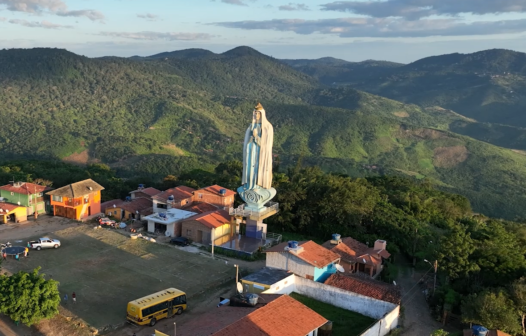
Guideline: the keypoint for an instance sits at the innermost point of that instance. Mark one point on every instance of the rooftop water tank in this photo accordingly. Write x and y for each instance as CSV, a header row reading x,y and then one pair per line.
x,y
293,244
252,299
222,191
336,236
128,198
479,330
141,186
171,197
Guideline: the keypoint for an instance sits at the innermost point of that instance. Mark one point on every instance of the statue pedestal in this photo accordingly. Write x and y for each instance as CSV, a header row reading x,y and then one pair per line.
x,y
256,198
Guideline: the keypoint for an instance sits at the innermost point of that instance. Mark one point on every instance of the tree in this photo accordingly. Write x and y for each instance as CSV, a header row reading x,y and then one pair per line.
x,y
492,309
455,250
28,297
518,295
439,332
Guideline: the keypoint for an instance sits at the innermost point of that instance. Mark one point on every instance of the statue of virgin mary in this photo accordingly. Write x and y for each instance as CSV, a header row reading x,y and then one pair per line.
x,y
257,160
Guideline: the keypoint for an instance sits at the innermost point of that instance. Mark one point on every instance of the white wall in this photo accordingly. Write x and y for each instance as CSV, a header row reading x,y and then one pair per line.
x,y
151,226
337,297
384,325
294,264
284,284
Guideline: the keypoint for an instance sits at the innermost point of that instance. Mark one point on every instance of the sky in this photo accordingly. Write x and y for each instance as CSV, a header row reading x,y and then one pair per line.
x,y
356,30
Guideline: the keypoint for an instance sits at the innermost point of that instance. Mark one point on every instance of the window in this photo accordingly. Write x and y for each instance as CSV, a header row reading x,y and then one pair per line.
x,y
188,232
154,309
161,206
179,300
200,195
57,198
40,194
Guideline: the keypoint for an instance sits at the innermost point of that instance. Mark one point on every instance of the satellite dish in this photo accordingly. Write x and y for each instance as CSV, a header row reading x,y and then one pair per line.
x,y
114,206
394,282
340,268
168,233
365,262
239,288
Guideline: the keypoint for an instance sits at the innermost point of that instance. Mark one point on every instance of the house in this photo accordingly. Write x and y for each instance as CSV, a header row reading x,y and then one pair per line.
x,y
77,200
306,259
130,209
26,194
12,213
143,192
168,222
172,198
199,207
209,225
216,195
265,279
110,204
364,285
273,315
358,257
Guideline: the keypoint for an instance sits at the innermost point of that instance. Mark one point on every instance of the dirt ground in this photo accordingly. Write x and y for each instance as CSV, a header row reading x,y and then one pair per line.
x,y
107,269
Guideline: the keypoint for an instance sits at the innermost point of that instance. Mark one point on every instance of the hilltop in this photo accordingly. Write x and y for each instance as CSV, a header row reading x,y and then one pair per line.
x,y
163,115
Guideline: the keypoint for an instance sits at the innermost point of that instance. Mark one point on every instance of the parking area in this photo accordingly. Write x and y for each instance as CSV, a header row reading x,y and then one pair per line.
x,y
106,270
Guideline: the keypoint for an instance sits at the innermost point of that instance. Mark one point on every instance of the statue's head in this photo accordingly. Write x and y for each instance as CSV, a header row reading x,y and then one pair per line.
x,y
257,116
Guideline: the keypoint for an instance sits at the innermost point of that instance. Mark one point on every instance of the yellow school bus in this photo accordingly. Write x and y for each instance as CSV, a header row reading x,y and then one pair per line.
x,y
152,308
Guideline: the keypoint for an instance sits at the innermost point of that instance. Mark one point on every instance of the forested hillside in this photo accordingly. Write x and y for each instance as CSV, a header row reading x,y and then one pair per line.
x,y
173,112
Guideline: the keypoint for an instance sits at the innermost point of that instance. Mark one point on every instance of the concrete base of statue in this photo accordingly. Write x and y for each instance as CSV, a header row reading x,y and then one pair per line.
x,y
256,198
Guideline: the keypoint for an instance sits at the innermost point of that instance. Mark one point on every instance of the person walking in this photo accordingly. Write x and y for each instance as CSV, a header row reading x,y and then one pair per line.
x,y
16,257
4,255
74,297
66,297
26,250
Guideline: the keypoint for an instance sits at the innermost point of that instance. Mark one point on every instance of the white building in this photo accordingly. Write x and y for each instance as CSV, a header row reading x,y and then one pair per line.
x,y
168,221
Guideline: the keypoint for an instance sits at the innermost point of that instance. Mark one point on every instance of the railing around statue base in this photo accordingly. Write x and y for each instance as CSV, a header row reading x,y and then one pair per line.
x,y
269,210
275,238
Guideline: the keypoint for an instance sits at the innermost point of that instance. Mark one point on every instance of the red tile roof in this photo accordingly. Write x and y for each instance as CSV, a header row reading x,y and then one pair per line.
x,y
281,317
352,250
218,318
215,190
150,191
108,204
365,286
212,219
179,193
26,188
312,253
136,204
199,207
8,207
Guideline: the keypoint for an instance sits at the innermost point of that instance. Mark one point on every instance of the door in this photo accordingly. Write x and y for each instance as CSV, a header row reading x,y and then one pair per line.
x,y
199,236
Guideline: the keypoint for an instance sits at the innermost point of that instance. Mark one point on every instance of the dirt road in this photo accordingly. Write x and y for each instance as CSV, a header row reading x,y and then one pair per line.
x,y
417,320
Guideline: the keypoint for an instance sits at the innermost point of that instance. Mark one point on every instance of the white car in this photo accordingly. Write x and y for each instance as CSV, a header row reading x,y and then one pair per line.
x,y
45,243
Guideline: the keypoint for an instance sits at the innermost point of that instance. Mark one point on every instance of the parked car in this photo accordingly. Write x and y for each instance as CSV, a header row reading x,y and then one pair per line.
x,y
106,221
181,241
44,243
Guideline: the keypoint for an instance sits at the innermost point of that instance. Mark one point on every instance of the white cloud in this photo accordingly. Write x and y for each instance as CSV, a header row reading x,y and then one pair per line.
x,y
414,9
383,27
294,7
234,2
151,36
36,24
148,16
57,7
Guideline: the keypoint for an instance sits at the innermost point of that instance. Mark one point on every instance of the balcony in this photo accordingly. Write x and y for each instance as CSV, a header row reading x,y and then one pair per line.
x,y
74,202
268,211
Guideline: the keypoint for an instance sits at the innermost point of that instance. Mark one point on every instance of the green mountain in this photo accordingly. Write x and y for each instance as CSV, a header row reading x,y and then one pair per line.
x,y
165,115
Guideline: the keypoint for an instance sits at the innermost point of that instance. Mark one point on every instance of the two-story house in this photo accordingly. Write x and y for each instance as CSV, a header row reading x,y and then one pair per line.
x,y
172,198
357,256
25,194
143,192
306,259
77,200
215,195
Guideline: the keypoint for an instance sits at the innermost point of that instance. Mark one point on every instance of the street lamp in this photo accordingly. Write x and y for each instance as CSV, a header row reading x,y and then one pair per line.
x,y
435,266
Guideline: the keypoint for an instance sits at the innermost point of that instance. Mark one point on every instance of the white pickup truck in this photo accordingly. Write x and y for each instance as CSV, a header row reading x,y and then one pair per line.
x,y
44,243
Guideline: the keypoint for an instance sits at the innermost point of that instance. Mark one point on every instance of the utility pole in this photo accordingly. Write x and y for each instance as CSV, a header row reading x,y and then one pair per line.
x,y
414,249
175,330
213,238
237,270
435,267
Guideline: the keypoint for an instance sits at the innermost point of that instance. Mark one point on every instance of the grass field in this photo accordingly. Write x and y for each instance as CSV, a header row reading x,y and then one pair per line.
x,y
344,322
107,270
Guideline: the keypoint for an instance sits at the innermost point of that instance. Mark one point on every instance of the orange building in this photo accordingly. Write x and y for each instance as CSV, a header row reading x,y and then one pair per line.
x,y
77,200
